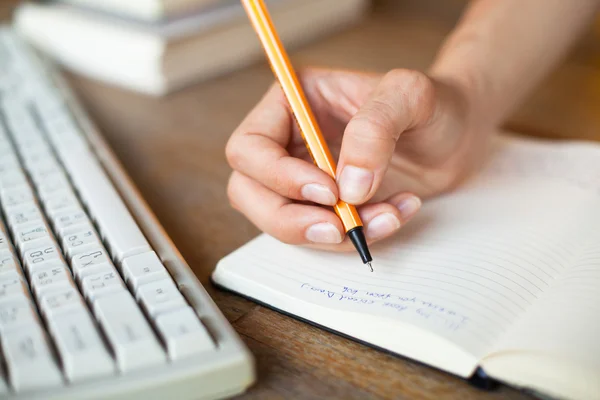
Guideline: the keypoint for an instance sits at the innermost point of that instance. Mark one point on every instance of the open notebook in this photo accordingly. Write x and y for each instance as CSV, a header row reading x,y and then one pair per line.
x,y
502,274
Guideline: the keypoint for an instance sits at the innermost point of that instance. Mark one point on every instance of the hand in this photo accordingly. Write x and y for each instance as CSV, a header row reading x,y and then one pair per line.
x,y
399,137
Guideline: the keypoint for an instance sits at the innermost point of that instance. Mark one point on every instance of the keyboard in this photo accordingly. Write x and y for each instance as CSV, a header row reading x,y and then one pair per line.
x,y
95,300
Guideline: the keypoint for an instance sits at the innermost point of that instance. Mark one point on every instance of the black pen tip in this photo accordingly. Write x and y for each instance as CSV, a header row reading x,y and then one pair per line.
x,y
357,237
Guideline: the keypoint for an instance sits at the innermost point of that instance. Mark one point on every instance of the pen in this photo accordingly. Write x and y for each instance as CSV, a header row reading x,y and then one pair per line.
x,y
309,129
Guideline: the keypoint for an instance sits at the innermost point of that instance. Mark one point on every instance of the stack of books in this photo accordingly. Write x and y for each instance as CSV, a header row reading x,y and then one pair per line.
x,y
158,46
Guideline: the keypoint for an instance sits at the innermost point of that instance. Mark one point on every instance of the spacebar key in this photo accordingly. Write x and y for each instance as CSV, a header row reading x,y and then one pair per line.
x,y
117,227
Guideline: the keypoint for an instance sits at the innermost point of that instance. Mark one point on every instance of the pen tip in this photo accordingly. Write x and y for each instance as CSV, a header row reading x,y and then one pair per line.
x,y
370,266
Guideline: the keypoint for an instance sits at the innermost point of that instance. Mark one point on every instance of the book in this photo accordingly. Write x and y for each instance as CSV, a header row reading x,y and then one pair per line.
x,y
501,275
157,59
150,10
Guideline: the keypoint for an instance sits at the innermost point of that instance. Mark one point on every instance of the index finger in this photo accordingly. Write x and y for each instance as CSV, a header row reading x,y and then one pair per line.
x,y
257,149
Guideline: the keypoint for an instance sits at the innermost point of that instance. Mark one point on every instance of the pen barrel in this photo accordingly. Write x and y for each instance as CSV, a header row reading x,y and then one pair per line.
x,y
348,214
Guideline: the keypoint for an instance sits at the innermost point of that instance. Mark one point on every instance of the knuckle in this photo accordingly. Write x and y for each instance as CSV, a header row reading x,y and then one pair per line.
x,y
281,231
405,79
232,192
281,181
374,125
234,153
422,93
418,90
397,76
278,180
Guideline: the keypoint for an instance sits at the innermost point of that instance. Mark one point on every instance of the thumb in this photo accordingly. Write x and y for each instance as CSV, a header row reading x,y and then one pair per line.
x,y
403,100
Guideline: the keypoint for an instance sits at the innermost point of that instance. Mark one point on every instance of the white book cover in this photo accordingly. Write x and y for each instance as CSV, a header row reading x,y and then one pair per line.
x,y
157,59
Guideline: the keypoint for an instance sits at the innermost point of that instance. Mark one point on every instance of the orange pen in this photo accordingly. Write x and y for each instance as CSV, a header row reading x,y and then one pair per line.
x,y
309,129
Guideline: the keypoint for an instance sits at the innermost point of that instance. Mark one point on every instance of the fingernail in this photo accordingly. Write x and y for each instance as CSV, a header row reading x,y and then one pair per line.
x,y
318,194
409,206
355,184
382,225
323,232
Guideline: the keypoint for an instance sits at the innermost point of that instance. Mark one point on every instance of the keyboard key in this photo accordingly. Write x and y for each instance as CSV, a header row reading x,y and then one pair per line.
x,y
16,197
44,169
143,268
69,220
10,159
80,241
60,302
12,178
183,334
160,296
10,280
90,262
16,115
59,201
117,227
9,266
128,332
28,359
6,150
13,290
44,256
27,135
15,315
101,284
53,184
8,164
32,235
4,240
51,279
12,275
32,158
81,350
14,294
64,133
30,213
30,143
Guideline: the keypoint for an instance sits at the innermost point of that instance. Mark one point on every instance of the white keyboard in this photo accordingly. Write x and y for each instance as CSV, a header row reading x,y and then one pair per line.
x,y
95,301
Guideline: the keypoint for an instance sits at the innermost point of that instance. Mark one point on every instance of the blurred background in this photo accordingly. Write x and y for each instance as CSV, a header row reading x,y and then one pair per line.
x,y
157,48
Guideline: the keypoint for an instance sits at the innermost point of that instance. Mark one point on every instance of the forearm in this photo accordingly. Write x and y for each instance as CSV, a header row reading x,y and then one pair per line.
x,y
501,49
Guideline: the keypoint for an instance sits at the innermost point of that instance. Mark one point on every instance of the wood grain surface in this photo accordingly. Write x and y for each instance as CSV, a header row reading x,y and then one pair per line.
x,y
173,148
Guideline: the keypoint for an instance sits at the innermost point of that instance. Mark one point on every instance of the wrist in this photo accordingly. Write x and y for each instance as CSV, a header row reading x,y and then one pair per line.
x,y
466,89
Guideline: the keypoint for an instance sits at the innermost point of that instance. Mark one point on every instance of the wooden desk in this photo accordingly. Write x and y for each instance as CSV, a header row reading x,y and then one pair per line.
x,y
173,149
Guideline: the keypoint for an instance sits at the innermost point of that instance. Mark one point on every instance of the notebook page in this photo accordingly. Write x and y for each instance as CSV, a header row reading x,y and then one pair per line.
x,y
554,347
564,323
468,266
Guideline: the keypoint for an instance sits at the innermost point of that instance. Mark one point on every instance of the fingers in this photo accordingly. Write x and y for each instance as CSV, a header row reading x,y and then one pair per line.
x,y
384,219
303,224
257,150
381,220
403,100
279,217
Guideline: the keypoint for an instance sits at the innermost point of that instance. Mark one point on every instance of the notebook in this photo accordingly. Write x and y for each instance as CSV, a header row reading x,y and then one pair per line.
x,y
502,275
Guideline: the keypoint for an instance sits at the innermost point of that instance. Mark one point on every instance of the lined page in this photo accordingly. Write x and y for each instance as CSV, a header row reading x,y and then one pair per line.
x,y
564,323
466,268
